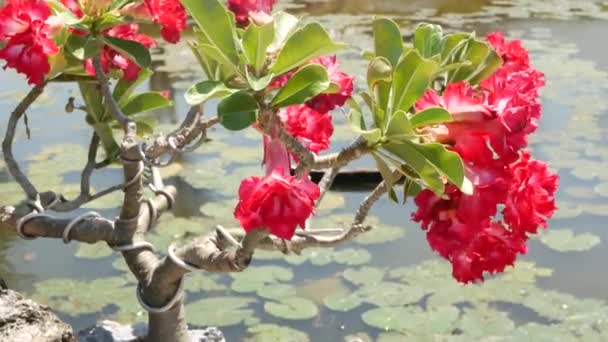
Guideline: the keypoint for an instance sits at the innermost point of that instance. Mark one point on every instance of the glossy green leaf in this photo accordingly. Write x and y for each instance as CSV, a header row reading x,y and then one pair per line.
x,y
284,25
427,39
124,89
205,91
256,41
306,43
385,171
308,82
447,163
483,63
414,159
83,47
217,25
258,84
237,111
130,49
388,41
224,65
412,77
145,102
379,70
399,127
430,116
452,46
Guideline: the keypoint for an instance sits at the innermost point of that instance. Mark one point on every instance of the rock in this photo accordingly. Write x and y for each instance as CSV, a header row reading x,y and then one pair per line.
x,y
22,319
108,331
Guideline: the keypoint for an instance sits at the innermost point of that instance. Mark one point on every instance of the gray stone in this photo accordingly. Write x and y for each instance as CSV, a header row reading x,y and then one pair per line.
x,y
22,319
108,331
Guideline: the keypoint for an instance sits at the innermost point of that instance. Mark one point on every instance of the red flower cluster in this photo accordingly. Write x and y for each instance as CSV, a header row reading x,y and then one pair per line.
x,y
311,123
277,202
25,27
489,130
170,14
242,9
112,59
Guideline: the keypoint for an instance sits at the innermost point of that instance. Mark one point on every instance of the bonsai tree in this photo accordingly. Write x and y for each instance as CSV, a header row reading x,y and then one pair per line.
x,y
445,118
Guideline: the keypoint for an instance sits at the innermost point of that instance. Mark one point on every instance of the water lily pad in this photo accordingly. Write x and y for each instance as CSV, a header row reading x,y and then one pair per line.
x,y
220,311
275,333
332,201
386,294
564,240
364,275
205,282
482,321
255,278
81,297
343,301
381,234
95,251
580,192
412,319
352,256
602,189
277,291
292,308
242,155
205,173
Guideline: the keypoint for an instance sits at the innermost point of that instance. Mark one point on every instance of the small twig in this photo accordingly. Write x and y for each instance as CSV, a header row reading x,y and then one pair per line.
x,y
107,94
7,144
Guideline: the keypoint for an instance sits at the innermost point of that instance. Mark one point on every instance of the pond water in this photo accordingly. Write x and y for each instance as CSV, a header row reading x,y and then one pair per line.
x,y
387,286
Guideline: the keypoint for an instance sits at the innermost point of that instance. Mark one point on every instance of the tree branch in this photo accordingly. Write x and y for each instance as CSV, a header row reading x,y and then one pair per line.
x,y
107,94
7,144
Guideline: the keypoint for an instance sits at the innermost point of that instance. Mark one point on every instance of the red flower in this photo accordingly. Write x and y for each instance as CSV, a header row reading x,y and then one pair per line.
x,y
243,8
171,15
28,38
313,129
112,59
326,102
277,202
531,199
73,6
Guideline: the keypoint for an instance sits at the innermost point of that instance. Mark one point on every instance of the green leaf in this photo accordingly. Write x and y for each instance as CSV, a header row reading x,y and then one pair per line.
x,y
130,49
83,47
108,21
414,159
411,79
124,89
206,90
388,40
306,43
217,25
217,56
145,102
237,111
308,82
385,171
379,70
484,61
256,41
427,39
284,25
452,46
258,84
399,127
430,116
355,118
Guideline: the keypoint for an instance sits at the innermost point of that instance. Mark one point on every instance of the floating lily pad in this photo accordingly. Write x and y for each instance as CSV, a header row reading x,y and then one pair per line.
x,y
255,278
564,240
386,294
332,201
343,301
292,308
364,275
568,210
580,192
381,234
352,256
275,333
482,321
205,282
242,155
220,311
317,289
412,319
277,291
205,174
95,251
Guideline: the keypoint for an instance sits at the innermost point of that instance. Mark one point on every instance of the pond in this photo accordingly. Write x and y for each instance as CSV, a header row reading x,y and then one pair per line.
x,y
387,286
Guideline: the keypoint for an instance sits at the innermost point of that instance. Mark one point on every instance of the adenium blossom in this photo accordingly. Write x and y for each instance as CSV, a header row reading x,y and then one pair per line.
x,y
170,14
277,202
25,26
489,131
112,59
242,9
312,128
324,103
